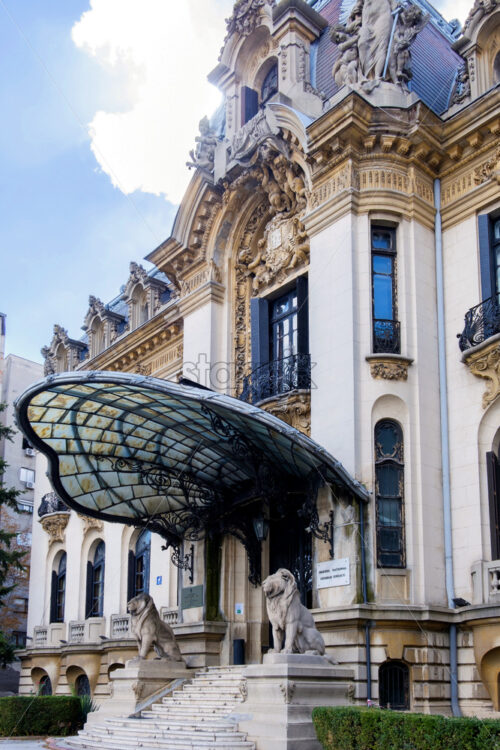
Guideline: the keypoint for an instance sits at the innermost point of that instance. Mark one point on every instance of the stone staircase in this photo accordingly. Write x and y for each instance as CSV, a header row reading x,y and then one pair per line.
x,y
192,718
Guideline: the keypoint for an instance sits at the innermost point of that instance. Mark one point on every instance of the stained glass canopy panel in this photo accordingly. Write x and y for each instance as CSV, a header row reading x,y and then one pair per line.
x,y
129,448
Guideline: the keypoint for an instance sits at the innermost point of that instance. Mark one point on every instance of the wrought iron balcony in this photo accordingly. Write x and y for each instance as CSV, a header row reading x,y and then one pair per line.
x,y
481,322
277,377
386,336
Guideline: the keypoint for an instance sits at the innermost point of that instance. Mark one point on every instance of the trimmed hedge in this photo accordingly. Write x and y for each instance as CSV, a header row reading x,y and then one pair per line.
x,y
375,729
24,716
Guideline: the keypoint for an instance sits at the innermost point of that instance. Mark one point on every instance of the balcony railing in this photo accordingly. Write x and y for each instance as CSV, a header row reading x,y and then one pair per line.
x,y
386,336
481,322
277,377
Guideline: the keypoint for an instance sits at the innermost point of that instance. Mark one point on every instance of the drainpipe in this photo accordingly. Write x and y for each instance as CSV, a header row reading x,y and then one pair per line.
x,y
445,448
364,588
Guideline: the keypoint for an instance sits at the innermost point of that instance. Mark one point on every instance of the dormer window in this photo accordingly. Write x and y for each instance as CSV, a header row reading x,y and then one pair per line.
x,y
270,84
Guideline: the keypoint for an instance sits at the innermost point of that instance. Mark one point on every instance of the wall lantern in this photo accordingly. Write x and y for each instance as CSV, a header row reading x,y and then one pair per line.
x,y
261,527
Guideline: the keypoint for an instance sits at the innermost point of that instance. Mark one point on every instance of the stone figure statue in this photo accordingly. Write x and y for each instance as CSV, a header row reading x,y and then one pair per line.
x,y
374,44
374,35
293,625
202,155
150,631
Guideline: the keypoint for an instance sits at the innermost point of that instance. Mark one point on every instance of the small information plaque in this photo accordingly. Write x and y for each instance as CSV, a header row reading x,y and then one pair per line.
x,y
192,596
333,573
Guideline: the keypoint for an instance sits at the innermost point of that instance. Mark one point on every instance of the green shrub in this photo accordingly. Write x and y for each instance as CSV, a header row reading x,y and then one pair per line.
x,y
374,729
24,716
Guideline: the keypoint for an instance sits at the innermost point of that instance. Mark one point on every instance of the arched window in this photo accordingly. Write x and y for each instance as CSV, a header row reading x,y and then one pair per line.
x,y
270,85
58,591
394,686
493,473
496,68
45,685
389,489
98,341
140,307
95,582
138,566
82,685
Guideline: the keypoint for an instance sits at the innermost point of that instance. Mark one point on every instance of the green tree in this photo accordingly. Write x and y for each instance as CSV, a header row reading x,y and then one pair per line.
x,y
10,559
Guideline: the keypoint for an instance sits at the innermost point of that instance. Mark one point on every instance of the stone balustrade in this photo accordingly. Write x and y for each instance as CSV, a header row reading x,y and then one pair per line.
x,y
76,632
486,582
40,636
120,627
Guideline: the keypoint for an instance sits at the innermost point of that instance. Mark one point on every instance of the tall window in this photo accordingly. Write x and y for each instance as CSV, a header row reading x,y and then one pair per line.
x,y
389,488
493,470
280,344
386,332
393,685
495,251
58,591
95,583
138,566
270,85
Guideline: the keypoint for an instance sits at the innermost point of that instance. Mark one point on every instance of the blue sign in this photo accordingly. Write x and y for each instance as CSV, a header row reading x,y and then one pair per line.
x,y
158,580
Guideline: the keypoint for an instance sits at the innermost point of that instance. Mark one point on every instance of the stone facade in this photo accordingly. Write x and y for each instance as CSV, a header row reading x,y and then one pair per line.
x,y
300,189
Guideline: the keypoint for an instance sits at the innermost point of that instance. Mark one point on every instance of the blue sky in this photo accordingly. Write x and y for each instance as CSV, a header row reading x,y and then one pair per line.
x,y
77,207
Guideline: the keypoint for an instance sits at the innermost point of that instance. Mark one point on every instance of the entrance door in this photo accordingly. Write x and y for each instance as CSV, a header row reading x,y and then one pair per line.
x,y
291,548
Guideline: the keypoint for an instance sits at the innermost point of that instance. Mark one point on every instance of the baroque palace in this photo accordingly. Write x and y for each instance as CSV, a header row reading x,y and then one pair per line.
x,y
334,262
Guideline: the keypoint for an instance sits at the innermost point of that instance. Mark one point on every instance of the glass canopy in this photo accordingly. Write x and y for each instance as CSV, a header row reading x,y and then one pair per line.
x,y
176,458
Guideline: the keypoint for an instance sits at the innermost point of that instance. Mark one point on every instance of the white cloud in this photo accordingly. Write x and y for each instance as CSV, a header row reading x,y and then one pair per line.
x,y
167,47
451,9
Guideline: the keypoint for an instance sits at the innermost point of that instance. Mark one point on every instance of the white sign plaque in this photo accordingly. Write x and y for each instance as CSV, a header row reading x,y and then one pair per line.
x,y
239,609
333,573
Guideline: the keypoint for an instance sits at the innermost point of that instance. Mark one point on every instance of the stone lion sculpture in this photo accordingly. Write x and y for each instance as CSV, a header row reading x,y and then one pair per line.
x,y
150,631
293,626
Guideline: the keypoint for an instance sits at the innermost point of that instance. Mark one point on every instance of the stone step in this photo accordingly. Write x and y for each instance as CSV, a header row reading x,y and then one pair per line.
x,y
204,721
194,744
209,735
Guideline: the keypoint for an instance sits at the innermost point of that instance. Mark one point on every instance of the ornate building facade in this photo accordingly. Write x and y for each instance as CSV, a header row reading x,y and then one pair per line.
x,y
342,218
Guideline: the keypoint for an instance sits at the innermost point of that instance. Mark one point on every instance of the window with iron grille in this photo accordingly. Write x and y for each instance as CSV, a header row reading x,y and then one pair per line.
x,y
394,686
386,328
389,489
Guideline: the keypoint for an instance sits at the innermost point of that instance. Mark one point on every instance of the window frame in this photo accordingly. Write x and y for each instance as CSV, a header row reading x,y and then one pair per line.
x,y
395,461
58,591
391,324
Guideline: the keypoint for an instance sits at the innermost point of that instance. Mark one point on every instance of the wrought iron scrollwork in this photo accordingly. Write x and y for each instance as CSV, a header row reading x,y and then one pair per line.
x,y
386,336
481,322
277,377
309,512
184,562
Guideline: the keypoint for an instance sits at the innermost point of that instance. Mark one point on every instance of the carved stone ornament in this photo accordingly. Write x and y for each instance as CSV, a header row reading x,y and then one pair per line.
x,y
257,130
285,246
90,523
375,42
461,92
292,408
203,154
287,688
54,525
389,368
72,350
243,689
480,9
486,364
490,169
245,18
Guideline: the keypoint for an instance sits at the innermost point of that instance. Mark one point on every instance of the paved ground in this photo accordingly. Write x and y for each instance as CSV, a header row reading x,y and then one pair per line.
x,y
22,744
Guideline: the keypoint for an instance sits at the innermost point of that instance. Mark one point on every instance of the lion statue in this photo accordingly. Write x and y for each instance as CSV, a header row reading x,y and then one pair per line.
x,y
149,630
293,626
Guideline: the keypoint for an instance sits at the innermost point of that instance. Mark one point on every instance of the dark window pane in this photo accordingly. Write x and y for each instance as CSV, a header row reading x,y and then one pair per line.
x,y
389,539
388,483
389,513
496,230
386,438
